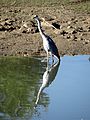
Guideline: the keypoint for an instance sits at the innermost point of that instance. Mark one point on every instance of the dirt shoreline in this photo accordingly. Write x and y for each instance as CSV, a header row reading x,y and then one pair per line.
x,y
19,35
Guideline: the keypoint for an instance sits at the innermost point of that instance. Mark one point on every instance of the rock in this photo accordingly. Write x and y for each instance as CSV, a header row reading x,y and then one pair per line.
x,y
9,22
7,25
48,18
29,27
69,22
79,29
24,30
7,28
73,37
63,32
75,21
57,31
68,37
80,39
1,28
87,41
27,30
88,29
34,30
71,31
74,31
25,54
68,27
32,23
2,23
56,25
73,18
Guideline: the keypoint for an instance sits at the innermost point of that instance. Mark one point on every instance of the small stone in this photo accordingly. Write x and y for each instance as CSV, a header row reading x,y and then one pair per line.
x,y
2,23
8,22
87,41
63,32
74,31
34,30
88,29
68,27
73,18
75,21
80,39
25,54
1,28
57,32
74,37
68,37
48,18
69,22
56,25
79,29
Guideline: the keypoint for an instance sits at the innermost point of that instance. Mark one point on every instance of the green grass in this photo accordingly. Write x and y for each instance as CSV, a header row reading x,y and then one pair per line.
x,y
30,2
34,2
83,6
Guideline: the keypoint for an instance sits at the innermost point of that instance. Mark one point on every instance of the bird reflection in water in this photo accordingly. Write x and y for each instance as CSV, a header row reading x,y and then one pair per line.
x,y
48,77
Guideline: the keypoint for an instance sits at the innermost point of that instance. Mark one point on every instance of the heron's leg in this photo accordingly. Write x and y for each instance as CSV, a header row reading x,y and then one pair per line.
x,y
47,68
44,59
47,58
52,59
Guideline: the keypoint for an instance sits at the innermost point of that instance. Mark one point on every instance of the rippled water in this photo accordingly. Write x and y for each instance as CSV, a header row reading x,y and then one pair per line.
x,y
29,90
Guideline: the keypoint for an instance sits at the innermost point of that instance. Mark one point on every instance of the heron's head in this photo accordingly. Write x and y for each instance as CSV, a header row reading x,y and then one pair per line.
x,y
35,17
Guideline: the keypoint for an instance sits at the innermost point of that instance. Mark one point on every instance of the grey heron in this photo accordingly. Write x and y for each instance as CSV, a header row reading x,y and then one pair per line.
x,y
48,44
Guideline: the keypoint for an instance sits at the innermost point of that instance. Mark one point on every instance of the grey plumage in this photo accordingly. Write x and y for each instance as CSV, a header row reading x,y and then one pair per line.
x,y
48,43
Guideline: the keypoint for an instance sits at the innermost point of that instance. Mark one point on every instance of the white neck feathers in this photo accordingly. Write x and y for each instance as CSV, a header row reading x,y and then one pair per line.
x,y
39,27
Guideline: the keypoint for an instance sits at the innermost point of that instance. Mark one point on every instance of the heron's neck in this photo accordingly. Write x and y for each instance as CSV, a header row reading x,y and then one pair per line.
x,y
40,29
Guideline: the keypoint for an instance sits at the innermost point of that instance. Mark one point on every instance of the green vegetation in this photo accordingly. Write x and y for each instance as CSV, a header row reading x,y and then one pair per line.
x,y
83,6
30,2
18,85
77,5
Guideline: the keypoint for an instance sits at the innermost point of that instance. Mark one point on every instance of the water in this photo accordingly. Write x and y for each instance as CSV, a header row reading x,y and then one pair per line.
x,y
29,91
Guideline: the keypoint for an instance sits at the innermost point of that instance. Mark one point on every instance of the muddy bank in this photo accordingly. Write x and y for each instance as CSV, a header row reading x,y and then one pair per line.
x,y
19,35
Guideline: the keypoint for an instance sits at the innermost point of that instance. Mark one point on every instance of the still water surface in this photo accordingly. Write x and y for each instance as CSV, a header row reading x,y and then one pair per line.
x,y
29,90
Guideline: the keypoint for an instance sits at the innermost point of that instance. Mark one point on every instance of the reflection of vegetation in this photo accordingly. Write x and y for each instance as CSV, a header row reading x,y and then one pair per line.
x,y
18,84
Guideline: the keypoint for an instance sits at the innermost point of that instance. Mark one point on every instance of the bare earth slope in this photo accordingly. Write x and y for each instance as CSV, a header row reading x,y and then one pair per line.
x,y
19,35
